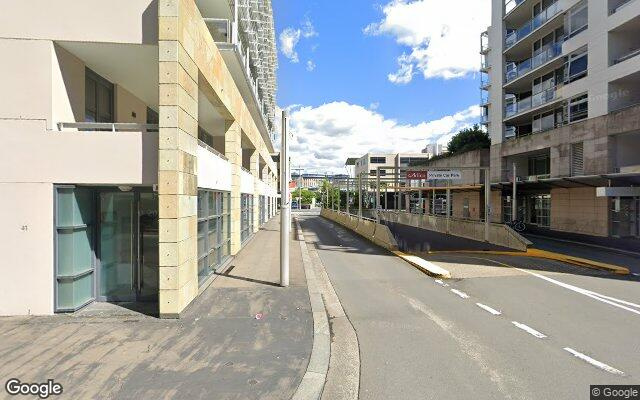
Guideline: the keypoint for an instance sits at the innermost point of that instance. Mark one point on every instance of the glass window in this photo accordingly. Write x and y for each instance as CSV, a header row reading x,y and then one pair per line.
x,y
578,108
98,98
74,262
378,160
577,19
214,233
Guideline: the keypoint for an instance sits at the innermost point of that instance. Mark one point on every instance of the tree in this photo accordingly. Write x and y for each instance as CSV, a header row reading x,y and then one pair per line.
x,y
469,139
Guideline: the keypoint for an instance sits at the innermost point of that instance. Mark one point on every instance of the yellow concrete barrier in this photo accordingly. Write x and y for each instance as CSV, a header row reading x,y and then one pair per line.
x,y
366,228
384,238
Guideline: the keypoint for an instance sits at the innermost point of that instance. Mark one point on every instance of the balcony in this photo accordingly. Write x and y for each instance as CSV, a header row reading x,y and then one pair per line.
x,y
531,102
484,42
106,127
515,71
510,5
530,26
617,5
484,116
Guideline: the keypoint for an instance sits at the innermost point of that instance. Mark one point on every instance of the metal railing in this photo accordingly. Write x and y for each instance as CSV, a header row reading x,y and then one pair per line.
x,y
626,56
531,25
619,6
522,68
530,102
108,127
212,150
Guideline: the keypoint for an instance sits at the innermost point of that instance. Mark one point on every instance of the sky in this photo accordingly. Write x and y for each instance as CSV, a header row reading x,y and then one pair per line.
x,y
360,76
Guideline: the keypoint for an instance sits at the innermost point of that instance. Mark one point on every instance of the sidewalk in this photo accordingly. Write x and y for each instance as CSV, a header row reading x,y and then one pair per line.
x,y
217,350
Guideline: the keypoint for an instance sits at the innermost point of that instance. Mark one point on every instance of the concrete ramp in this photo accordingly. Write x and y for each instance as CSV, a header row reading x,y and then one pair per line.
x,y
425,233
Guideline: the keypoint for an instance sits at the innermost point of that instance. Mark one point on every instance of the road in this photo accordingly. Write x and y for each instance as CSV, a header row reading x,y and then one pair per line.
x,y
542,330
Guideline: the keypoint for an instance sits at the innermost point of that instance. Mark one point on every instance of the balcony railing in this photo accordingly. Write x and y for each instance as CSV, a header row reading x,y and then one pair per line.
x,y
547,54
627,56
530,102
531,25
618,7
509,5
107,127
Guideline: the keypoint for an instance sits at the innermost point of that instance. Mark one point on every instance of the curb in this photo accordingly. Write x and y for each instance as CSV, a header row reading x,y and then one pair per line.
x,y
312,383
423,265
549,255
334,375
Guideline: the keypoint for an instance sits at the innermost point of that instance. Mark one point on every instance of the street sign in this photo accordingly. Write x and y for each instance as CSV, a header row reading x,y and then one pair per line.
x,y
453,174
416,174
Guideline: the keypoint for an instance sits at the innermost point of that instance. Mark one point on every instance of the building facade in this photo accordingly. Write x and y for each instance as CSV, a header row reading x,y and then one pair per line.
x,y
434,149
561,100
368,164
137,140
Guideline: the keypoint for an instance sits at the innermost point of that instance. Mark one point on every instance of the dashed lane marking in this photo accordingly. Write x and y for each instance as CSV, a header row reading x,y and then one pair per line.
x,y
461,294
529,330
594,362
488,309
441,283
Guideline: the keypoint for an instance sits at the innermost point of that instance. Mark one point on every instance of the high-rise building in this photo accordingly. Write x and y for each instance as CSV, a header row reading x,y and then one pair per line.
x,y
136,151
561,99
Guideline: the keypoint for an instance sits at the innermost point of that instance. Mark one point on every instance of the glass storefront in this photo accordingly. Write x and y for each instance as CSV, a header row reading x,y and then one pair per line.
x,y
246,216
106,246
214,233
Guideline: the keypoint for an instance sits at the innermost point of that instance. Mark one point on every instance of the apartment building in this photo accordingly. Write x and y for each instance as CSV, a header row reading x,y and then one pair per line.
x,y
136,148
561,100
368,164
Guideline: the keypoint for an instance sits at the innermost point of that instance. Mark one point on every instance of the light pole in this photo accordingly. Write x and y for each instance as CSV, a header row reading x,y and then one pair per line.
x,y
285,204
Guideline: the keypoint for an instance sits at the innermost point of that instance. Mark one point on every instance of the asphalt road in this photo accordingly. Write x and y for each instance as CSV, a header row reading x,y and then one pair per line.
x,y
543,330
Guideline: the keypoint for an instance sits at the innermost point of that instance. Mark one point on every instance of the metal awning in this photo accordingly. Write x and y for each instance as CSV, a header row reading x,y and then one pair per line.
x,y
615,179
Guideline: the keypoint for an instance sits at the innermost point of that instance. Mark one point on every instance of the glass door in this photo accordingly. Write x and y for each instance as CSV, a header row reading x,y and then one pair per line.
x,y
117,249
625,217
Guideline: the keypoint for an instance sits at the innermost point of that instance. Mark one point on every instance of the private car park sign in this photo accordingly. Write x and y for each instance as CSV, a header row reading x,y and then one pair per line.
x,y
452,174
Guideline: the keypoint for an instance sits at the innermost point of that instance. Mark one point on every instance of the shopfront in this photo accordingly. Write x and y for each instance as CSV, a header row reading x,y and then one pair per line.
x,y
106,245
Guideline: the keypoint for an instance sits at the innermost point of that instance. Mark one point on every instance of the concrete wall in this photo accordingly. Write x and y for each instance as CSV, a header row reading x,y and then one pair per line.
x,y
26,272
578,210
85,21
214,172
128,108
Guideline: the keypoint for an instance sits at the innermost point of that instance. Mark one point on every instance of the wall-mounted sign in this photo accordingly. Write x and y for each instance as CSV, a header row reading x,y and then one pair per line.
x,y
416,174
444,174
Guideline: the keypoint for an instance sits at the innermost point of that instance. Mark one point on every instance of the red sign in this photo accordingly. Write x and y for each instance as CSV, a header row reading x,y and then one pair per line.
x,y
292,184
416,174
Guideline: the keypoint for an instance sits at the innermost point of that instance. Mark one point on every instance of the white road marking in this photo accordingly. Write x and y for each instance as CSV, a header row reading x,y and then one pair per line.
x,y
635,274
593,362
597,296
441,283
489,309
529,330
461,294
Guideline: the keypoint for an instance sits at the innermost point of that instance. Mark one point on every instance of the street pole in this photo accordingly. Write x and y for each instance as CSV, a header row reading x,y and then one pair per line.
x,y
487,191
285,204
360,195
514,205
348,179
448,205
377,194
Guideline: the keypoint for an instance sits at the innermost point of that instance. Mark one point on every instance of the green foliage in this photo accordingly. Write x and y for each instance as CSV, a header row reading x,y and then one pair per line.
x,y
306,195
469,139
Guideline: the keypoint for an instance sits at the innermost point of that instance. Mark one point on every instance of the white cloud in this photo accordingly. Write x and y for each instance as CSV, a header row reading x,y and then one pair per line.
x,y
311,65
308,30
290,37
443,37
324,136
